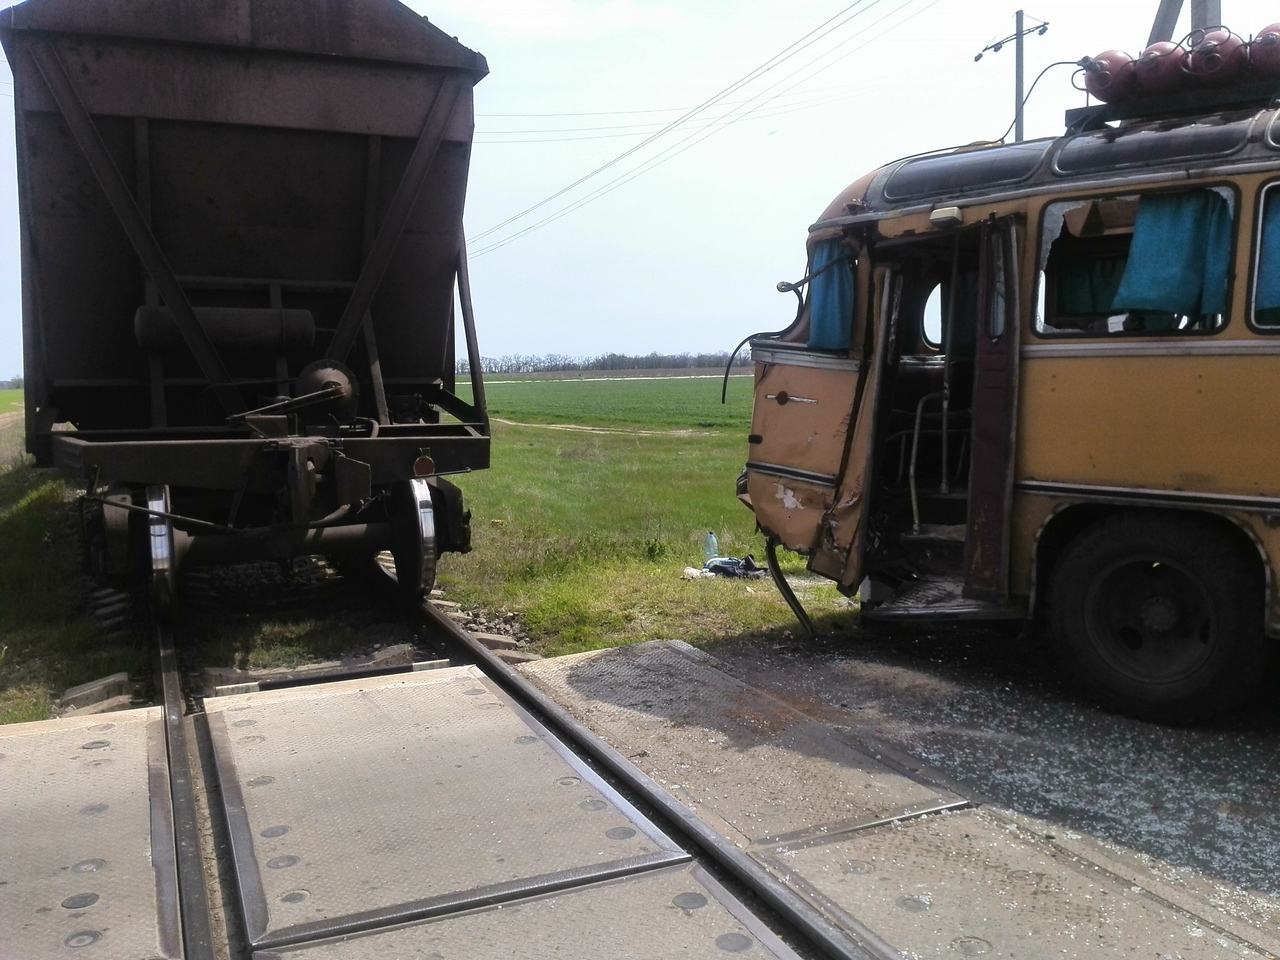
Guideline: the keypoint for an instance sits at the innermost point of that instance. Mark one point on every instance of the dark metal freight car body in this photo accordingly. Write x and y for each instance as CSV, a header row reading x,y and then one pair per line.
x,y
241,239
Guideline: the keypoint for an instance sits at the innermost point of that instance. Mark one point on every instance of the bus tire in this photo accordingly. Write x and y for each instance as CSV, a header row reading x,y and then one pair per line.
x,y
1160,617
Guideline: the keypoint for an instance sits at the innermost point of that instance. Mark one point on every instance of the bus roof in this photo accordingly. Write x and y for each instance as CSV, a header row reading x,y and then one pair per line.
x,y
1143,150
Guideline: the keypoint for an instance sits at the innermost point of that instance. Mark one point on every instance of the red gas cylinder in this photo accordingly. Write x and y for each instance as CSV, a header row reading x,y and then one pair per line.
x,y
1109,76
1217,56
1264,52
1160,69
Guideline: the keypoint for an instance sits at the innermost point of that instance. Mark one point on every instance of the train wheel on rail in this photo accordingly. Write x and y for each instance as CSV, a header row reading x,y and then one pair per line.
x,y
414,529
160,540
1160,617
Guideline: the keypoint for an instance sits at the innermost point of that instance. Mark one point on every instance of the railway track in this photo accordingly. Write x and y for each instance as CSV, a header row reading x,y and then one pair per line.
x,y
271,788
453,808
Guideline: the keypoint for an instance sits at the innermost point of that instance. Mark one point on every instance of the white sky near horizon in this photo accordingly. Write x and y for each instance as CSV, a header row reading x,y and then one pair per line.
x,y
684,257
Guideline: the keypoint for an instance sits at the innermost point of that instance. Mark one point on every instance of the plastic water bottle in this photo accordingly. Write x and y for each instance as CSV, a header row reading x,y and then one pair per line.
x,y
710,547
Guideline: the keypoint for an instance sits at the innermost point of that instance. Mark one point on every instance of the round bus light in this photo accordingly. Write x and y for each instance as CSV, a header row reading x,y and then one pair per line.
x,y
424,466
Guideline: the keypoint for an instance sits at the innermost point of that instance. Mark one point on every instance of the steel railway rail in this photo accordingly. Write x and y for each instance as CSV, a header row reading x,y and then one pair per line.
x,y
192,725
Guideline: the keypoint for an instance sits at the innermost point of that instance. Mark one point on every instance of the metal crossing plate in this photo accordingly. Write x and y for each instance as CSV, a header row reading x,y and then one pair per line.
x,y
88,858
969,883
376,801
755,765
673,912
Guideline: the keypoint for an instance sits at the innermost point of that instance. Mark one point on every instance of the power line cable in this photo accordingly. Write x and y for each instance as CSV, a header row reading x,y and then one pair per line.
x,y
608,113
783,109
670,153
716,122
786,53
624,126
676,149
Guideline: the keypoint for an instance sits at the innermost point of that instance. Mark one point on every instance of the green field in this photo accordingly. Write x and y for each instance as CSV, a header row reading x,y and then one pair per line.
x,y
672,403
10,400
586,534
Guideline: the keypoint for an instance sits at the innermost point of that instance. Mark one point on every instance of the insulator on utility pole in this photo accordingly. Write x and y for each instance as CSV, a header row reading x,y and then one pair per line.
x,y
1019,34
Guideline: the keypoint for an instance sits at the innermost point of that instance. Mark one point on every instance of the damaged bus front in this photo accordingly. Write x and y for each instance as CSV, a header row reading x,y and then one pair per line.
x,y
1024,382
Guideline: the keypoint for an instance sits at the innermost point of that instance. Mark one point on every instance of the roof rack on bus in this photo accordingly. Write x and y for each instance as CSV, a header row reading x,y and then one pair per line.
x,y
1191,102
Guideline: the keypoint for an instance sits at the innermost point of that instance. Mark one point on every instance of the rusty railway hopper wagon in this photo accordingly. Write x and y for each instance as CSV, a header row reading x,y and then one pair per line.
x,y
243,266
1033,380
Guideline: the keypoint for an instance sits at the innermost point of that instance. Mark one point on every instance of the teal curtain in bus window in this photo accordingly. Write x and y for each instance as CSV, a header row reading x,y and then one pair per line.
x,y
1087,285
1268,295
830,298
1179,256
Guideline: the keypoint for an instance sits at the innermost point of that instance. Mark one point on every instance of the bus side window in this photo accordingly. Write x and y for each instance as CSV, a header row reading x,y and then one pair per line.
x,y
1266,279
931,322
1156,264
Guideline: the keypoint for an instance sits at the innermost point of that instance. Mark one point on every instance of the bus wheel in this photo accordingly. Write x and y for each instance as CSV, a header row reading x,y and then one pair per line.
x,y
1160,617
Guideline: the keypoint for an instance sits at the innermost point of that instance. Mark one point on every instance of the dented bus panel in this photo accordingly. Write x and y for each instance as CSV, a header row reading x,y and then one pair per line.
x,y
1034,385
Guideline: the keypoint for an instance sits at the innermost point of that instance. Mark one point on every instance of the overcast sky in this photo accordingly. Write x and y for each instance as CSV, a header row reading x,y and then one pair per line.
x,y
685,256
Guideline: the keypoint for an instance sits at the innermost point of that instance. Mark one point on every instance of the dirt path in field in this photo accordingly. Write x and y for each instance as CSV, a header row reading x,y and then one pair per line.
x,y
579,428
12,417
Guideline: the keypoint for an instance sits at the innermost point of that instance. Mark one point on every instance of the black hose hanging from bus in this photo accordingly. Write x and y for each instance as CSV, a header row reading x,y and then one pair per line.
x,y
784,588
1039,76
784,286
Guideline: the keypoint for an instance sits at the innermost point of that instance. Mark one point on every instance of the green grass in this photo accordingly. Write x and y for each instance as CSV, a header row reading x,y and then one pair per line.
x,y
681,403
10,400
46,642
586,535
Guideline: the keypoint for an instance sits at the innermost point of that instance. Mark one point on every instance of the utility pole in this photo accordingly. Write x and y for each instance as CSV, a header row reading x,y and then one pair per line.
x,y
1017,81
1019,33
1204,14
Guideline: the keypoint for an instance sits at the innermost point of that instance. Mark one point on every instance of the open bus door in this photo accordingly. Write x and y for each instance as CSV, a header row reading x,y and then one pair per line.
x,y
939,449
994,417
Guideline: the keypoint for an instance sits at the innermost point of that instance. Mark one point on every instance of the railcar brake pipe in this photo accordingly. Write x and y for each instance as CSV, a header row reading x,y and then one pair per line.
x,y
833,941
329,391
172,517
784,588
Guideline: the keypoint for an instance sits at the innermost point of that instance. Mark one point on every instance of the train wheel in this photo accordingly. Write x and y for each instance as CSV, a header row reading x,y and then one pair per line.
x,y
1160,617
160,540
414,548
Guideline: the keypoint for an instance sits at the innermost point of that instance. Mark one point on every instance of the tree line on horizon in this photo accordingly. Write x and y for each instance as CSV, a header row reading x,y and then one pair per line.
x,y
556,363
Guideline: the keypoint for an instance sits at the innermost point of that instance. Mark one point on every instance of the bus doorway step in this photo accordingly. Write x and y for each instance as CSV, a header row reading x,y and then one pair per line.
x,y
937,599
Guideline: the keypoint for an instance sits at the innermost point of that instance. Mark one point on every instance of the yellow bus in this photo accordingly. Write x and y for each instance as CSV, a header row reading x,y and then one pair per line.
x,y
1034,381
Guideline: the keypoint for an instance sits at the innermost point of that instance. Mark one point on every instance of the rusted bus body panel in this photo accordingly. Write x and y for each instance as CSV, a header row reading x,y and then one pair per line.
x,y
1173,422
806,434
805,415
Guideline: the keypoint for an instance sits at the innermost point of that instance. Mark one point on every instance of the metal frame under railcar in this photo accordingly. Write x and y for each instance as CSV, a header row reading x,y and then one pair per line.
x,y
242,264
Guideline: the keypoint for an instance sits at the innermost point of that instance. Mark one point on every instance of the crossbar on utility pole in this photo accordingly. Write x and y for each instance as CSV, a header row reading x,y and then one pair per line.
x,y
1019,64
